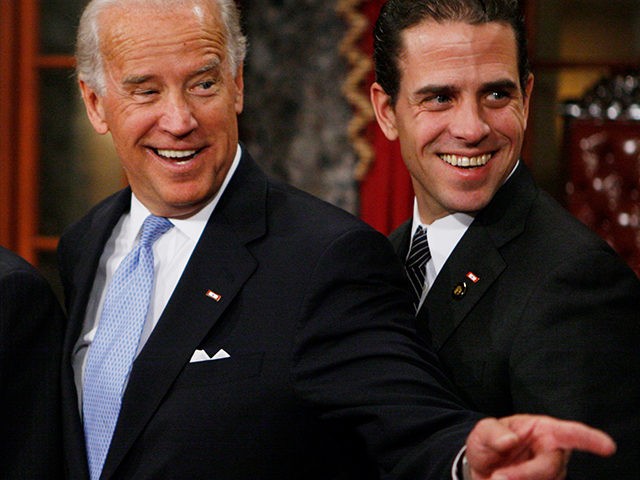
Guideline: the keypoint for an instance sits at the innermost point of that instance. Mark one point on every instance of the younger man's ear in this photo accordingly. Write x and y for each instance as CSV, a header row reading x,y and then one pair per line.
x,y
383,109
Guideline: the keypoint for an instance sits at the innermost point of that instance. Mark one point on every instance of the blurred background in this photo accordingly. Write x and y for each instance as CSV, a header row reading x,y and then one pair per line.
x,y
307,120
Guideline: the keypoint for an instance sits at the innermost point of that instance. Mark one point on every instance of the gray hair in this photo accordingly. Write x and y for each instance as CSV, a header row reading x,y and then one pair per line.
x,y
89,61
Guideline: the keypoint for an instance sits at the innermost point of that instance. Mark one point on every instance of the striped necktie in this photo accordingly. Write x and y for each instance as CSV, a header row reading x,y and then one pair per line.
x,y
416,265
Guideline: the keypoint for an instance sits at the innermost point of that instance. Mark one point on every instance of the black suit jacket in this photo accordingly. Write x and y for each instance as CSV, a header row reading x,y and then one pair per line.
x,y
551,326
324,373
31,331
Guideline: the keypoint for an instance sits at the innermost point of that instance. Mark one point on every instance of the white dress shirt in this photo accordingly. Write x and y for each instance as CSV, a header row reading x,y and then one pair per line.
x,y
171,253
442,235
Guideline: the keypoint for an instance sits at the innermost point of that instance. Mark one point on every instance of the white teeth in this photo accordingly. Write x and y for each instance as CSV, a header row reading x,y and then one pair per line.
x,y
466,162
176,153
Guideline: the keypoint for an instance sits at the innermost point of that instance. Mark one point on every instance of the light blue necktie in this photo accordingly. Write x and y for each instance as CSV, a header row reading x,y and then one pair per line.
x,y
116,341
416,264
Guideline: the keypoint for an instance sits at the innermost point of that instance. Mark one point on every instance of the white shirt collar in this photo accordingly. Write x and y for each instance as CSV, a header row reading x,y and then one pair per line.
x,y
443,235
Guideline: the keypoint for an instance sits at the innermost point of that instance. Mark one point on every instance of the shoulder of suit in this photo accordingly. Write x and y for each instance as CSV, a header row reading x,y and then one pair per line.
x,y
12,264
307,208
121,197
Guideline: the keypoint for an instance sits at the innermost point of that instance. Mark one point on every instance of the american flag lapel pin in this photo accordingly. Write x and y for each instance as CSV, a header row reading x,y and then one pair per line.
x,y
473,277
460,289
215,296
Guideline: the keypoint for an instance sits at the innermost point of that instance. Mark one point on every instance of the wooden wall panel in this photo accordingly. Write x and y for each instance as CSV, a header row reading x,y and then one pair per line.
x,y
28,145
8,131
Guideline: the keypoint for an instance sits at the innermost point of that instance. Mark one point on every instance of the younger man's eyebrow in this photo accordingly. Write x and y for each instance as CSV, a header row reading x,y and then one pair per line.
x,y
436,89
505,84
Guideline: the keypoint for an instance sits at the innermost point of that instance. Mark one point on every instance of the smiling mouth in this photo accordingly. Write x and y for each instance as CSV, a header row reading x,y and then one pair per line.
x,y
466,162
176,155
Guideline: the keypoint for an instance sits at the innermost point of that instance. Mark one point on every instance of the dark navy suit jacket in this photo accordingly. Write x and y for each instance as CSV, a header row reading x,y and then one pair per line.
x,y
31,330
551,325
325,377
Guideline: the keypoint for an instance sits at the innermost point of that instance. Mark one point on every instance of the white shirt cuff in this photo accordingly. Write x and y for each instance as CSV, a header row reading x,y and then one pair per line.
x,y
460,468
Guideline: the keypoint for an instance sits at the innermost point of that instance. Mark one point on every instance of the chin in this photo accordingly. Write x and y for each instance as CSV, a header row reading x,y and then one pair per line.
x,y
471,204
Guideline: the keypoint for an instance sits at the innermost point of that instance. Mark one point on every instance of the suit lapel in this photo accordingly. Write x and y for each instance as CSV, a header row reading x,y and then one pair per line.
x,y
475,256
476,262
220,262
400,239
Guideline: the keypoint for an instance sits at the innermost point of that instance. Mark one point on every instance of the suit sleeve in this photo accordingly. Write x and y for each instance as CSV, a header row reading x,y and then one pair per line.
x,y
577,355
31,329
358,362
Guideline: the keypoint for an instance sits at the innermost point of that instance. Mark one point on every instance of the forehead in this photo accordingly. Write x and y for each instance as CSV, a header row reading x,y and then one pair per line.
x,y
455,49
145,33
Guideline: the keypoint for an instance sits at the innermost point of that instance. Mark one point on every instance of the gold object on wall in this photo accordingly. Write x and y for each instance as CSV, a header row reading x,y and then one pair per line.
x,y
360,66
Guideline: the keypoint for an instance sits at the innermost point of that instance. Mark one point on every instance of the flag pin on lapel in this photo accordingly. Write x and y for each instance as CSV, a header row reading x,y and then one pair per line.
x,y
460,290
473,277
216,296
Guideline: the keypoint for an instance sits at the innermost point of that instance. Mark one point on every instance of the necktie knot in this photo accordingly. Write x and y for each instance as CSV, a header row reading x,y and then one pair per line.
x,y
152,228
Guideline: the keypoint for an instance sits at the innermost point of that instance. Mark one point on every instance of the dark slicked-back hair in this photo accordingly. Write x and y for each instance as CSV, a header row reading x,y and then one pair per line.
x,y
399,15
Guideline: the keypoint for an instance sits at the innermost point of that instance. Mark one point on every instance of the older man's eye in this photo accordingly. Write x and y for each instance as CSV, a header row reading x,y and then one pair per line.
x,y
145,91
144,94
204,87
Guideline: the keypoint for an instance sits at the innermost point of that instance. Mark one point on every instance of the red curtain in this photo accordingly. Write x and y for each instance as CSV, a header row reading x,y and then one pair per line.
x,y
386,194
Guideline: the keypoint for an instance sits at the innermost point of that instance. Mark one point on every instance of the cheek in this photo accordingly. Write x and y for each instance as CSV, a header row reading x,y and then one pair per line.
x,y
511,122
423,166
419,144
417,136
431,129
129,119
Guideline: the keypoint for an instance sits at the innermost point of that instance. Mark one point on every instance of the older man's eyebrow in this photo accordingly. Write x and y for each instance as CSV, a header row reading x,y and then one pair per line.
x,y
211,66
140,79
137,79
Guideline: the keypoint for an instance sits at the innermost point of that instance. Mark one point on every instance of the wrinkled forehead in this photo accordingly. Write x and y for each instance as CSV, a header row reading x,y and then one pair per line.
x,y
145,25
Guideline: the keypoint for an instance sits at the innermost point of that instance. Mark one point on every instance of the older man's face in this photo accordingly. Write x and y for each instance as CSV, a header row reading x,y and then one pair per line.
x,y
171,104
